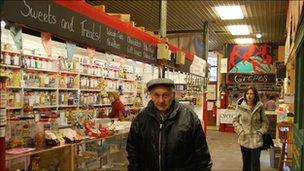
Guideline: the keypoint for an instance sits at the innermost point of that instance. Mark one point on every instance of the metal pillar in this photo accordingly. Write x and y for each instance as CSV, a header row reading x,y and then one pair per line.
x,y
205,43
163,18
162,29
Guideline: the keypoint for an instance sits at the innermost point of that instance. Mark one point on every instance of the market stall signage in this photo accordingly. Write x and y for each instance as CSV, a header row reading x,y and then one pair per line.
x,y
236,78
198,66
62,22
226,116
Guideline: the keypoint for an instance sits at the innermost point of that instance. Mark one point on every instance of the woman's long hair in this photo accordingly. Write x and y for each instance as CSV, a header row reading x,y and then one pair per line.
x,y
256,95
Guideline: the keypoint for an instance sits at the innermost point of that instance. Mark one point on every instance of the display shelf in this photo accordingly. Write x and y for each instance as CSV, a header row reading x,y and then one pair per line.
x,y
10,66
129,92
110,78
43,70
69,72
14,108
43,107
39,88
39,56
113,69
9,51
108,105
3,77
127,80
37,151
96,105
91,90
91,139
13,87
68,89
90,65
67,106
89,75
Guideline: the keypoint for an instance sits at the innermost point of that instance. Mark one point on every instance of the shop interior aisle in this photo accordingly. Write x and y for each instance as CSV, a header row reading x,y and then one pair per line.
x,y
226,153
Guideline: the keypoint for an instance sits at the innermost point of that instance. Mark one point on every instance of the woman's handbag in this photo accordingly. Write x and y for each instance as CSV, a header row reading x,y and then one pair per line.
x,y
267,141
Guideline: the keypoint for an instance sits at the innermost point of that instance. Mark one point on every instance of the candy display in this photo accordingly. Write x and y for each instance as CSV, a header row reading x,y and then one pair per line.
x,y
70,135
39,79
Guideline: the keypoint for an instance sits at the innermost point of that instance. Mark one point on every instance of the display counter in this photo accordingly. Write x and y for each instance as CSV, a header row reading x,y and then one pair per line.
x,y
89,154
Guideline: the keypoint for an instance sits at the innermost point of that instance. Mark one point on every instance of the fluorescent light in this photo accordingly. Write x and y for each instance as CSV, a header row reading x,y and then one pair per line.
x,y
238,29
3,24
230,12
244,40
258,35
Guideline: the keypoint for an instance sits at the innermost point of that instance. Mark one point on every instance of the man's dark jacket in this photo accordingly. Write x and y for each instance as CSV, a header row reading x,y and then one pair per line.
x,y
183,144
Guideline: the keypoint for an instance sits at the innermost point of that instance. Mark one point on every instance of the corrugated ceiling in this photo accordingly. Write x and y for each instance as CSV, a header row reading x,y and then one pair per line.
x,y
264,16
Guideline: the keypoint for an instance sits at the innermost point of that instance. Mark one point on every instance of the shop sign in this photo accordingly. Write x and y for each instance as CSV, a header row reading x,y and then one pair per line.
x,y
237,78
226,115
50,17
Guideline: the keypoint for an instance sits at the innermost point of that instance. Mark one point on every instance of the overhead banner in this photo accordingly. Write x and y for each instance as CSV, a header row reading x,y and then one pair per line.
x,y
50,17
255,58
236,78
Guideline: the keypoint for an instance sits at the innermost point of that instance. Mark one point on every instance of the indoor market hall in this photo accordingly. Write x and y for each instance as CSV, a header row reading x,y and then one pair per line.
x,y
152,85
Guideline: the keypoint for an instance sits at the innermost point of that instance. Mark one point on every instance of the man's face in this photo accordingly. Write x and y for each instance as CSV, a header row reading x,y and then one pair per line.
x,y
162,97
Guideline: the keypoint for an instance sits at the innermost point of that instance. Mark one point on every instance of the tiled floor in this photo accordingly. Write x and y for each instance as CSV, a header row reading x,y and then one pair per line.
x,y
226,153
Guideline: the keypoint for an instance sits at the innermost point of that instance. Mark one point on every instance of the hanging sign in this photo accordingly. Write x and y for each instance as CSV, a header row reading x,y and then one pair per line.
x,y
237,78
198,66
67,24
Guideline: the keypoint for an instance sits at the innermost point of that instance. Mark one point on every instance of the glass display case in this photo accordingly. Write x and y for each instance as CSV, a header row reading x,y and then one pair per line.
x,y
92,154
107,153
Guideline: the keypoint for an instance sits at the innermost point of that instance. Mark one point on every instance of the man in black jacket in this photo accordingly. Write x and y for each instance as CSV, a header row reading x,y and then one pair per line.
x,y
166,135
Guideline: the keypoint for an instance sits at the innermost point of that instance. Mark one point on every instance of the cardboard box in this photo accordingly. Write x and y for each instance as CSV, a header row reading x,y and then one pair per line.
x,y
101,7
141,28
122,17
180,57
163,51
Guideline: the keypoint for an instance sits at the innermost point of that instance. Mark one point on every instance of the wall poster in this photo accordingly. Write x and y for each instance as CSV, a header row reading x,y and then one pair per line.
x,y
255,58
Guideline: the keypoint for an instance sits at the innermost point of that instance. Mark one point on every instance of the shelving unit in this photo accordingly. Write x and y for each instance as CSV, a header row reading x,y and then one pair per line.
x,y
65,83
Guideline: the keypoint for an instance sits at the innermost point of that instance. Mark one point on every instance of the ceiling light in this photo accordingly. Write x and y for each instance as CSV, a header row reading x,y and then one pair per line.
x,y
238,29
230,12
244,40
258,35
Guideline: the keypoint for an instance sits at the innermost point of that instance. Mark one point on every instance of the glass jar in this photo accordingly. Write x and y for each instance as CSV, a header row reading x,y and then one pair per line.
x,y
7,59
16,60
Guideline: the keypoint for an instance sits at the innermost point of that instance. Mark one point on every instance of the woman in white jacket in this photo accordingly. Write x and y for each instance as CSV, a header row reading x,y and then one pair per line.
x,y
250,124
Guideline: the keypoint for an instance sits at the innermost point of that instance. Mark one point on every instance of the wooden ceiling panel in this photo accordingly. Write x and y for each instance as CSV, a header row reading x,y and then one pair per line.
x,y
267,17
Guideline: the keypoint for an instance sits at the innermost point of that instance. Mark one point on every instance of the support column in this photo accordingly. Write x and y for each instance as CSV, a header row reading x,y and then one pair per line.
x,y
205,39
162,29
204,55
